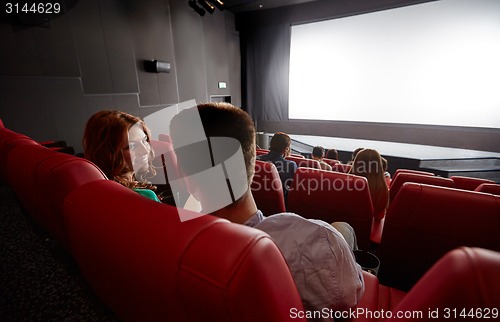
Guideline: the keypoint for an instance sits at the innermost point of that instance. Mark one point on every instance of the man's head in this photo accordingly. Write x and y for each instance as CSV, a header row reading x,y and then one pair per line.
x,y
332,154
318,152
219,120
280,143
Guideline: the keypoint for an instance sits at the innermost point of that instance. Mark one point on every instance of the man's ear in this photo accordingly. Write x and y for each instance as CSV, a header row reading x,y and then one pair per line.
x,y
287,151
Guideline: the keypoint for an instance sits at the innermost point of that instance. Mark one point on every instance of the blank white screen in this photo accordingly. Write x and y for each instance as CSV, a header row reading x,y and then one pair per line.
x,y
433,63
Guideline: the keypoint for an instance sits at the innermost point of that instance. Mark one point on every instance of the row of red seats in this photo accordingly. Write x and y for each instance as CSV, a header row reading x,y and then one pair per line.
x,y
301,161
147,265
139,258
465,183
345,195
423,224
333,196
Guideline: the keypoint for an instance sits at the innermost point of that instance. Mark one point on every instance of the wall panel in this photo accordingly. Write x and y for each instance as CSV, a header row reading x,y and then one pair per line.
x,y
91,47
55,48
54,77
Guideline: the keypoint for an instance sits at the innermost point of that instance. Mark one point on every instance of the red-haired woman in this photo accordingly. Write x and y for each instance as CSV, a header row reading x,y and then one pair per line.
x,y
119,144
368,164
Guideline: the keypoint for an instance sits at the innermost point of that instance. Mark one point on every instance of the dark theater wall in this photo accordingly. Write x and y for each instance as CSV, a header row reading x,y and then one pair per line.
x,y
54,76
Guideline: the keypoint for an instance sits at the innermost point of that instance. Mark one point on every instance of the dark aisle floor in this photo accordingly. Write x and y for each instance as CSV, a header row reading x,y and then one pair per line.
x,y
38,280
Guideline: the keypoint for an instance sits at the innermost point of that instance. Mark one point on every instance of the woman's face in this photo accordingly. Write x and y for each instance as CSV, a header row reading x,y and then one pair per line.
x,y
138,151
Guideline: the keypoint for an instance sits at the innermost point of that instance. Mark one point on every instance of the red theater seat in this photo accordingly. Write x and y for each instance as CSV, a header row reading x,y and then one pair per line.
x,y
331,162
489,188
53,144
424,222
377,298
8,140
425,173
21,165
343,168
460,280
304,163
56,177
295,155
267,189
403,177
469,183
261,151
147,265
333,196
465,279
41,178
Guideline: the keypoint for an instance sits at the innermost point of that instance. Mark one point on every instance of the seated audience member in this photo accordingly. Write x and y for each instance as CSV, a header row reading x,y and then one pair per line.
x,y
317,154
119,144
354,153
368,164
320,260
387,175
279,148
332,154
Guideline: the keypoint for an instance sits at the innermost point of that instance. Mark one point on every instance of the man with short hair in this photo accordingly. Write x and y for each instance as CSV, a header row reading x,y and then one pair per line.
x,y
318,154
279,149
319,258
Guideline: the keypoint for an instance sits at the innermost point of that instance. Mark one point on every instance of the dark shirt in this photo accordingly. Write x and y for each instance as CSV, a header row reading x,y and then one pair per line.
x,y
286,168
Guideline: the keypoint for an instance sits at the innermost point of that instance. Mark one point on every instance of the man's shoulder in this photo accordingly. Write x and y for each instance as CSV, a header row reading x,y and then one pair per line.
x,y
266,157
261,157
293,226
321,263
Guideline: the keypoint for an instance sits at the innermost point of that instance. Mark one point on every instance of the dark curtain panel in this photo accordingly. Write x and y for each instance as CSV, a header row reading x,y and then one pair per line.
x,y
265,68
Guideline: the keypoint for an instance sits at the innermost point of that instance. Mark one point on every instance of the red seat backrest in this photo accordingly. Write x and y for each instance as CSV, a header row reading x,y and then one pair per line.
x,y
56,177
21,164
425,173
8,140
267,189
261,151
5,150
403,177
304,163
489,188
333,196
258,152
464,279
343,168
331,162
469,183
424,222
147,265
41,178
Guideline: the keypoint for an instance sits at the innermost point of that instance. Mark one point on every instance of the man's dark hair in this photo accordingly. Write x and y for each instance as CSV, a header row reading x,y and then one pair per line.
x,y
332,154
221,120
318,152
279,142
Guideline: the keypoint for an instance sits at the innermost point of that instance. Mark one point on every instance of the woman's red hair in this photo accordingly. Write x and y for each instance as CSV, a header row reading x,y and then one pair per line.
x,y
105,137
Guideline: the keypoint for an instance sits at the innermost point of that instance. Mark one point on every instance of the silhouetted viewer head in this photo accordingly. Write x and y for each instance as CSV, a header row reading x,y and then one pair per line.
x,y
215,148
